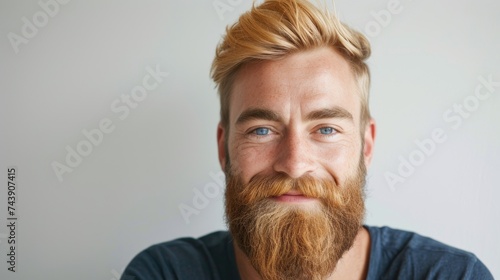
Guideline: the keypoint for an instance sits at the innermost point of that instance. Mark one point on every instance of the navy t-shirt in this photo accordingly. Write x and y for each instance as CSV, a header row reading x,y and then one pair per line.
x,y
394,254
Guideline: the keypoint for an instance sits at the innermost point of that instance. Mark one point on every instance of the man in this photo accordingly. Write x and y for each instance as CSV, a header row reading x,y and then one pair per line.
x,y
295,139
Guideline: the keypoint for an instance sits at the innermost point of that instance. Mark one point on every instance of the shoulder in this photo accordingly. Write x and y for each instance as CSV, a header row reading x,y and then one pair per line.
x,y
183,258
402,254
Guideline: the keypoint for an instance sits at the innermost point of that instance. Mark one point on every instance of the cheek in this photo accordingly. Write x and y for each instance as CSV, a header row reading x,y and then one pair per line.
x,y
340,160
249,160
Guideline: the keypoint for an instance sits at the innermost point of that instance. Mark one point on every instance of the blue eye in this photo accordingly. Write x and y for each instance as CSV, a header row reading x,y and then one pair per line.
x,y
326,130
261,131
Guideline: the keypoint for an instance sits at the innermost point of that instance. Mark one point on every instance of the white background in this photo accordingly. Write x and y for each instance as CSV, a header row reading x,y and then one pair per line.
x,y
125,195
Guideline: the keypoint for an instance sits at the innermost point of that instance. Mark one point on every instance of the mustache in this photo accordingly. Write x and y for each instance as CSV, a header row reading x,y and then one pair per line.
x,y
262,187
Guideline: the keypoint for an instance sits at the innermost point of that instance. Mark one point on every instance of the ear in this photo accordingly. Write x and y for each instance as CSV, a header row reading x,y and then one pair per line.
x,y
221,145
369,142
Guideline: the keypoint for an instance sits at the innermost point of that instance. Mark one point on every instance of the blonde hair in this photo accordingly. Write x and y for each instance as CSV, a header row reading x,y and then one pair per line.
x,y
276,28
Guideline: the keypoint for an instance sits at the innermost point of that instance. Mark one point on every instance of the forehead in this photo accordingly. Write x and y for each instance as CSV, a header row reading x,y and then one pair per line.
x,y
304,81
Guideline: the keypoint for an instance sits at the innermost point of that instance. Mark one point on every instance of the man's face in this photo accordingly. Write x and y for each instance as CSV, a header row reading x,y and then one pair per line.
x,y
298,116
296,164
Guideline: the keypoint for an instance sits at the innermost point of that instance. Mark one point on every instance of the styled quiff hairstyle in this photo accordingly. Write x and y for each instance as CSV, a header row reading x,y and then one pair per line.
x,y
277,28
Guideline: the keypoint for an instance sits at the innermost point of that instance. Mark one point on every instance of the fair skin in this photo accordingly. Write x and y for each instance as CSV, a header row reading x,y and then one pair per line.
x,y
301,116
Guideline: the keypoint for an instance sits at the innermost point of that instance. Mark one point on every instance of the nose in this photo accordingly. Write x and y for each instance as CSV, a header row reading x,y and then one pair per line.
x,y
294,156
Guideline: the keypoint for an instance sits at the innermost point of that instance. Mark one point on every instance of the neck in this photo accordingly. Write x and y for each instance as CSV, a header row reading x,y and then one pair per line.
x,y
352,265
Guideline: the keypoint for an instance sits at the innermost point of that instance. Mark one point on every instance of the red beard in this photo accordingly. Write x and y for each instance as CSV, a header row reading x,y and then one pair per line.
x,y
294,241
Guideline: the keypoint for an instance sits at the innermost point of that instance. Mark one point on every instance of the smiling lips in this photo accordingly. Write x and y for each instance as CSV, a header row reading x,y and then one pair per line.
x,y
293,196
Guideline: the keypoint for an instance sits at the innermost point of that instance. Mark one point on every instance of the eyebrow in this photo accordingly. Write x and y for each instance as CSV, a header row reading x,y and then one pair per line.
x,y
258,114
331,113
265,114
